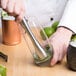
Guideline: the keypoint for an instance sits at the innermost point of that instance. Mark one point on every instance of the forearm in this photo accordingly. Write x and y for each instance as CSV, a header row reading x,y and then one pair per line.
x,y
69,16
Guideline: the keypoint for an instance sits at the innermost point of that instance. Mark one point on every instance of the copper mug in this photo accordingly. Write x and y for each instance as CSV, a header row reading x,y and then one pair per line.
x,y
10,31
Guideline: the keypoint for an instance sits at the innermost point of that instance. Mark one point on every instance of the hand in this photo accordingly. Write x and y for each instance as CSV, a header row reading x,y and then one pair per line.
x,y
14,7
60,41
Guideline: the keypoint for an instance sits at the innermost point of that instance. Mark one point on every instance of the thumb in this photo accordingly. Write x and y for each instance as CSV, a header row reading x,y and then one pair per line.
x,y
54,59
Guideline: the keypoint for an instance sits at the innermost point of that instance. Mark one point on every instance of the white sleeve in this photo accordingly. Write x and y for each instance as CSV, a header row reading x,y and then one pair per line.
x,y
69,16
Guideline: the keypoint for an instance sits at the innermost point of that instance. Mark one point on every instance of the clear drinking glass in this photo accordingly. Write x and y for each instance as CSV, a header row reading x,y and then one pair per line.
x,y
41,50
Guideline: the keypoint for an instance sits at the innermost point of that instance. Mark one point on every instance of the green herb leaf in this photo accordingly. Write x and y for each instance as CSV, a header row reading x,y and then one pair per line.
x,y
4,14
73,38
2,70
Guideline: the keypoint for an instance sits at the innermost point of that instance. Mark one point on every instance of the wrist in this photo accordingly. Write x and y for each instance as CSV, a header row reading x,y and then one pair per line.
x,y
65,31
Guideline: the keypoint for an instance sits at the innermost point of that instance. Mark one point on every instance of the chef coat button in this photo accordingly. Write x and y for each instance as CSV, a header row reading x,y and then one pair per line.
x,y
51,18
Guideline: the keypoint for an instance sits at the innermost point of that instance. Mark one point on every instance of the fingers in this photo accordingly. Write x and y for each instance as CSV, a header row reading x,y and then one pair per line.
x,y
10,6
14,7
4,3
54,59
17,9
55,55
20,17
58,50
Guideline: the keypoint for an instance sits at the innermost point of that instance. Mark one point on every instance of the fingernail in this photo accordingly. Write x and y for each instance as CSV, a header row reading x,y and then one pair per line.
x,y
52,63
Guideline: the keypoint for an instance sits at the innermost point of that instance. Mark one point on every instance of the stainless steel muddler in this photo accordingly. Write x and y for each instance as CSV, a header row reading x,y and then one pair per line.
x,y
40,51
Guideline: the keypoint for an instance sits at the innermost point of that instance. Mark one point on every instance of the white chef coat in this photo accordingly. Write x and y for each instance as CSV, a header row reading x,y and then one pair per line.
x,y
58,10
69,16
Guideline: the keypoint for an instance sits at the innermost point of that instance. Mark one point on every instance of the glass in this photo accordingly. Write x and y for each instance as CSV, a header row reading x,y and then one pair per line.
x,y
42,52
71,54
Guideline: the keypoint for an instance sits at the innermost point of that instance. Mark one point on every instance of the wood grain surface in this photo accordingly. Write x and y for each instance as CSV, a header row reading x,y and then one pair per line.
x,y
20,62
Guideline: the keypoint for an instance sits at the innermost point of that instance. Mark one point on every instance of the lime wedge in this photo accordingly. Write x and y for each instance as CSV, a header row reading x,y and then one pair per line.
x,y
4,14
2,70
48,31
73,38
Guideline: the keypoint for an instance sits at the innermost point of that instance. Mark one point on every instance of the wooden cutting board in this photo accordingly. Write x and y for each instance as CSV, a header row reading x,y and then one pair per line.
x,y
20,62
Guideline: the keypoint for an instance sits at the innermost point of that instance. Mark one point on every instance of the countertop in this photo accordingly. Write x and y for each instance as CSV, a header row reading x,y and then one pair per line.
x,y
20,62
